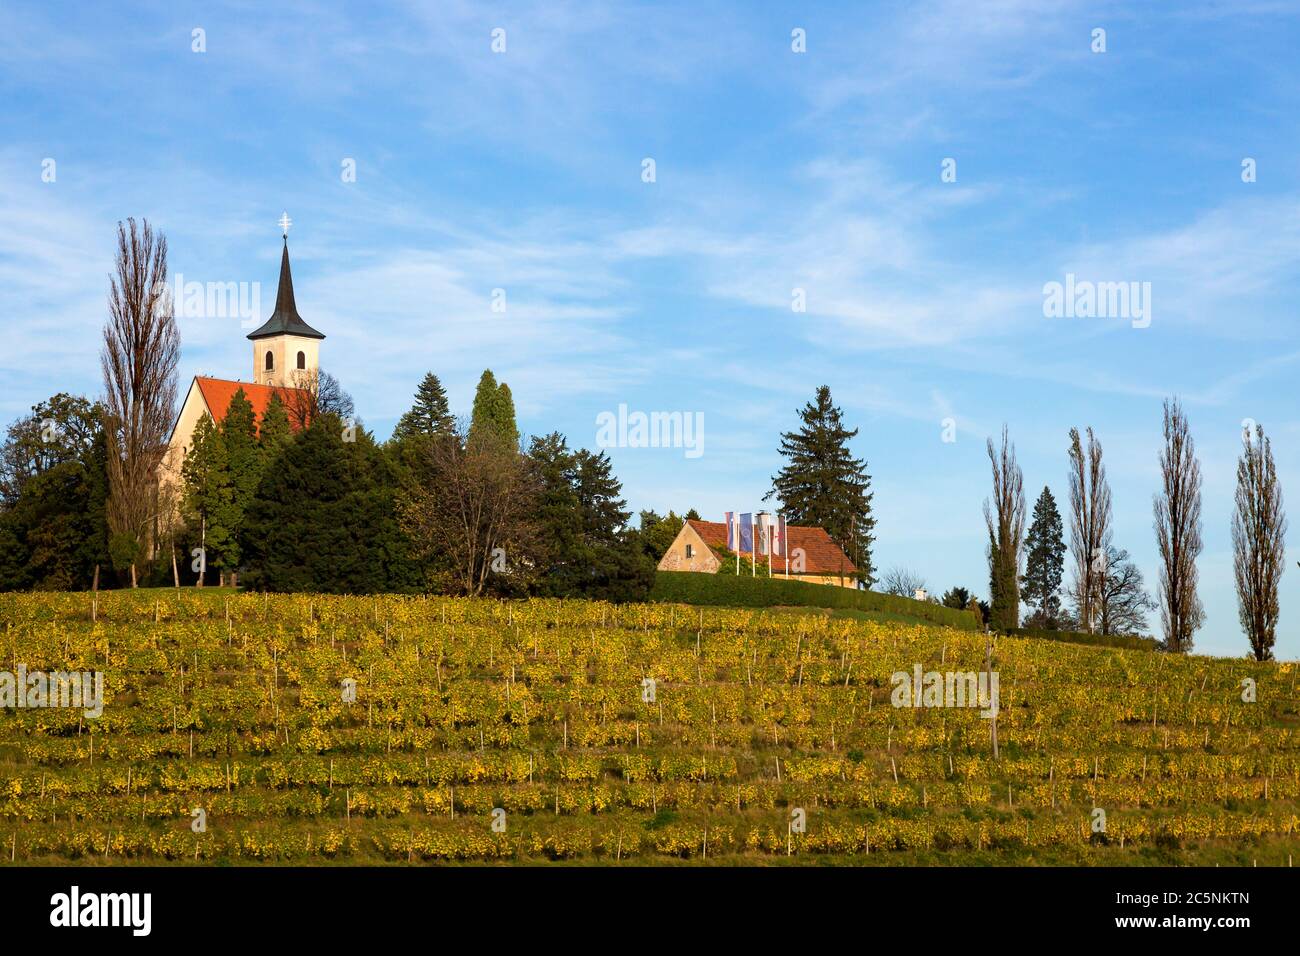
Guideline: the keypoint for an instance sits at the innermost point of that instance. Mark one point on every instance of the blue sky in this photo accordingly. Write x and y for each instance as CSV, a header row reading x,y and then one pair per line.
x,y
775,170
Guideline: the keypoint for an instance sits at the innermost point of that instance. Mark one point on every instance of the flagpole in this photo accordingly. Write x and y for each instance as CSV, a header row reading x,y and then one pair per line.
x,y
735,523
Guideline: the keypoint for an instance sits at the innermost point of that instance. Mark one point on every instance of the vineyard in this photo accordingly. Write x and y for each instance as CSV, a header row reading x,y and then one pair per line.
x,y
247,728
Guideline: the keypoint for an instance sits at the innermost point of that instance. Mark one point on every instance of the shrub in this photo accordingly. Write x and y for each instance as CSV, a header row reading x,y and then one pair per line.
x,y
1128,641
729,590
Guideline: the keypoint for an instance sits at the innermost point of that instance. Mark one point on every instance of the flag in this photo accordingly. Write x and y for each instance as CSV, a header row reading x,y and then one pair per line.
x,y
746,532
778,537
732,531
769,540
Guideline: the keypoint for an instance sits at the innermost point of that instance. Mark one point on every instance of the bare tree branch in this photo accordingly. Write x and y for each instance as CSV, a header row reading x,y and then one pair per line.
x,y
141,351
1258,542
1178,531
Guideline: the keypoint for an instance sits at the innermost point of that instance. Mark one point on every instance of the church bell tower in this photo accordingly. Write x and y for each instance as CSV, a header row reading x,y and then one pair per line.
x,y
286,350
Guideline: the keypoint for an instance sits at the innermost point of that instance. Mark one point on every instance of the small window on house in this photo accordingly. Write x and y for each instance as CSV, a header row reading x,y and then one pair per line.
x,y
302,360
690,551
270,362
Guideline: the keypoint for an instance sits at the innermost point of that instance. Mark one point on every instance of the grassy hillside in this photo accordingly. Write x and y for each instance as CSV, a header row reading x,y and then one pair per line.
x,y
232,705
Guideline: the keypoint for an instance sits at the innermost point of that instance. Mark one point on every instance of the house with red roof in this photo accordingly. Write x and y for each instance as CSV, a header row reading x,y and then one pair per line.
x,y
814,557
286,361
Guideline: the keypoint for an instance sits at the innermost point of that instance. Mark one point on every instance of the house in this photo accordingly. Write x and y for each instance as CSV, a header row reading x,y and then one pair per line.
x,y
814,557
286,361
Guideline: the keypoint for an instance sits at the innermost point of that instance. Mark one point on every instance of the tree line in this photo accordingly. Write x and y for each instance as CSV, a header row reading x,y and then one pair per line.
x,y
1106,593
305,498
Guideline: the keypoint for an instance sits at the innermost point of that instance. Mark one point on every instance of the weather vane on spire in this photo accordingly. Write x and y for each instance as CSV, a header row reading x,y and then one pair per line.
x,y
285,223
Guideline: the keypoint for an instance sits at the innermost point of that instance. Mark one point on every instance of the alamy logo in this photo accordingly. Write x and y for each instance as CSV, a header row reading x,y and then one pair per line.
x,y
655,430
218,300
1083,299
103,909
951,689
82,690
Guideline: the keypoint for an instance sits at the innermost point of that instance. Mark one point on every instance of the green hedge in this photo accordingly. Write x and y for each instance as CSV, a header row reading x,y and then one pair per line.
x,y
1126,641
728,590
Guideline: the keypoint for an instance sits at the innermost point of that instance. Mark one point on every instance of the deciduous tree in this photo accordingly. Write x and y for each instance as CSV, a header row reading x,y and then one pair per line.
x,y
1178,531
1259,529
1090,520
141,351
1005,521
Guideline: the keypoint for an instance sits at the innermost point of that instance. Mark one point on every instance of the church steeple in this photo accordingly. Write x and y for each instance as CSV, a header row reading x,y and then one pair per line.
x,y
285,346
285,320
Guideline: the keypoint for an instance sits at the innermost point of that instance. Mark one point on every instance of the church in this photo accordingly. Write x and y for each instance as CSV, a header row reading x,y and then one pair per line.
x,y
286,361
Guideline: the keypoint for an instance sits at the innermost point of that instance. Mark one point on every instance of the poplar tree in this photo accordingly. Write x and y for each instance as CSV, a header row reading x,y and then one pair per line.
x,y
1006,527
1178,531
1258,542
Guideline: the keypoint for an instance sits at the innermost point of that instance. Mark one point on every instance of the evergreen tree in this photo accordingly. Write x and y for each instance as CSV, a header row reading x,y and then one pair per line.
x,y
244,461
959,598
494,412
209,499
275,431
324,517
558,515
823,485
504,416
483,416
430,415
1044,563
582,518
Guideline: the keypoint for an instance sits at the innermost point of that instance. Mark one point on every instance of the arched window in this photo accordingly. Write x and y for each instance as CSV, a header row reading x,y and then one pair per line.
x,y
270,361
302,360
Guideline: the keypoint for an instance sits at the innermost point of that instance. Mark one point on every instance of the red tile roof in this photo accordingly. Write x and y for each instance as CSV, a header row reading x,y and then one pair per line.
x,y
821,554
217,393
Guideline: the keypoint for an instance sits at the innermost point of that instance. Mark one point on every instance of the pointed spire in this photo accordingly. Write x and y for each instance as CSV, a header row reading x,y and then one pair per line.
x,y
284,304
285,320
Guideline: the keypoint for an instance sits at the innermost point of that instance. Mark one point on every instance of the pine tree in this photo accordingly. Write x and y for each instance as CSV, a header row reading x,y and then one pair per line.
x,y
324,518
824,485
558,513
430,415
209,497
582,518
1044,563
275,431
244,460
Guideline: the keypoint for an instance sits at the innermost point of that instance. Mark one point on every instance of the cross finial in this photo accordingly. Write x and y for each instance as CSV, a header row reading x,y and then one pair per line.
x,y
285,223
